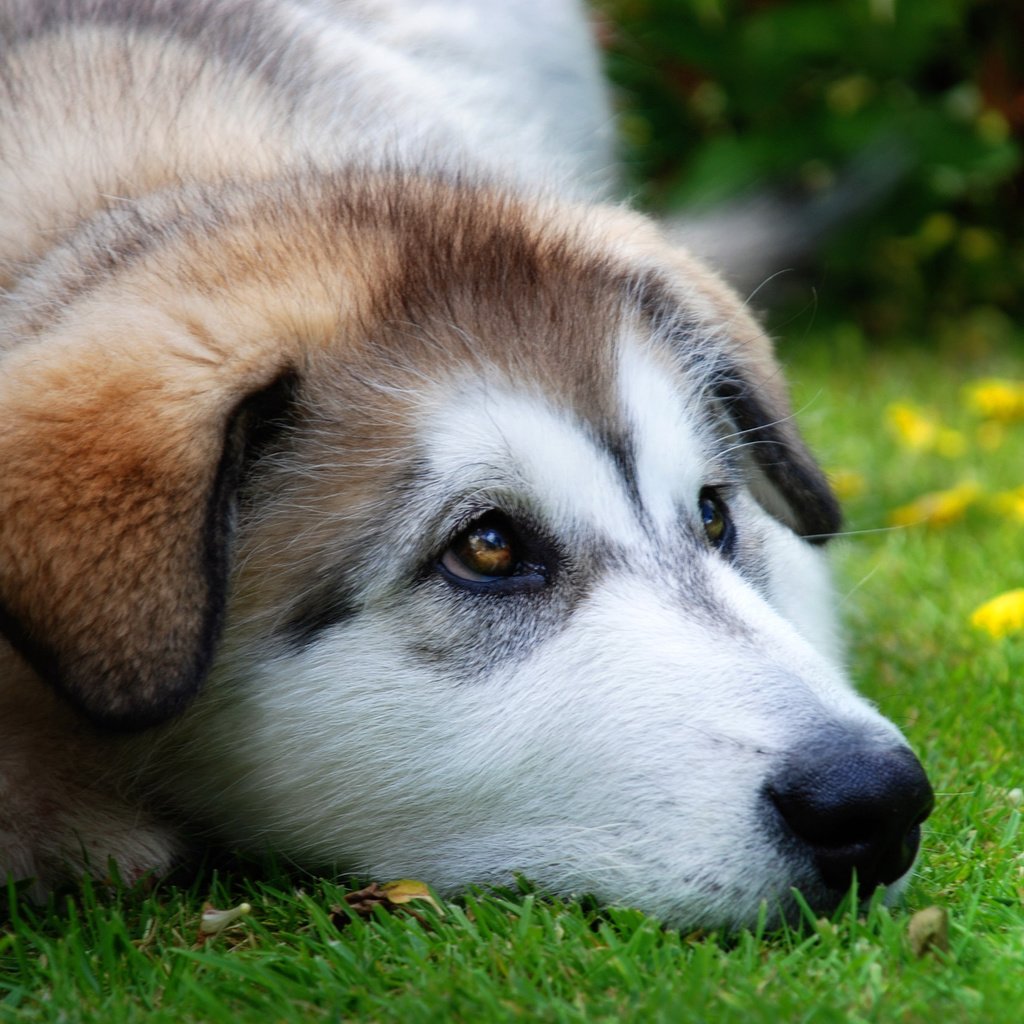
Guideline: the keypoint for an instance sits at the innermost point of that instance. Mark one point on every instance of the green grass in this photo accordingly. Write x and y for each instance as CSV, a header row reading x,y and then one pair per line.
x,y
119,956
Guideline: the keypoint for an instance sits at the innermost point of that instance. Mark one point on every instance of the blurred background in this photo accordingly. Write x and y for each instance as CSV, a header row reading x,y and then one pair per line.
x,y
886,133
881,142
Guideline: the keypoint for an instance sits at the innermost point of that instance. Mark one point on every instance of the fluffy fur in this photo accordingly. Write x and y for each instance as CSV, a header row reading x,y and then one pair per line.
x,y
295,294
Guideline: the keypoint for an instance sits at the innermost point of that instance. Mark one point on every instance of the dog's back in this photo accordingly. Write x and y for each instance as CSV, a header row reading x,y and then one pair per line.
x,y
105,100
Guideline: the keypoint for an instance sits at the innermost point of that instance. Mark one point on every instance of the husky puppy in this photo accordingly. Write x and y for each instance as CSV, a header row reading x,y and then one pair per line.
x,y
372,493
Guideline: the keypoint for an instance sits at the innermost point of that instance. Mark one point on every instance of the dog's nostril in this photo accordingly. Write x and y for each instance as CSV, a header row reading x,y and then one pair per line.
x,y
858,808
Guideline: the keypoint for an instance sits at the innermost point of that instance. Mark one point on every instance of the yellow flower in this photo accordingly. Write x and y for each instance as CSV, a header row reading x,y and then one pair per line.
x,y
977,245
992,126
1001,615
913,428
996,398
917,430
937,508
1009,503
847,483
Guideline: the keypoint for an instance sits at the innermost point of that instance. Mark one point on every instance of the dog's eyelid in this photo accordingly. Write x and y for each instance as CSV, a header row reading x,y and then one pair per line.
x,y
459,516
726,492
724,489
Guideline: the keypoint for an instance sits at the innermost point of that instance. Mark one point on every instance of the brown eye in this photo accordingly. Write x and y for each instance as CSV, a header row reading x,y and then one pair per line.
x,y
493,555
483,552
714,516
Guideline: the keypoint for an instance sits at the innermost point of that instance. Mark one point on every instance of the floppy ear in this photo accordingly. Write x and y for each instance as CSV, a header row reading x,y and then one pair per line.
x,y
790,484
119,462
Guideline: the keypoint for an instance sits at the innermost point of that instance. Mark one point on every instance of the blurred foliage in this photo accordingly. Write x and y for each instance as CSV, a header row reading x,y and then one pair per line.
x,y
919,104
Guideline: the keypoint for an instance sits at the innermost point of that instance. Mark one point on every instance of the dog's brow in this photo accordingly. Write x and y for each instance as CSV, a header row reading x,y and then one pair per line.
x,y
497,440
622,449
669,443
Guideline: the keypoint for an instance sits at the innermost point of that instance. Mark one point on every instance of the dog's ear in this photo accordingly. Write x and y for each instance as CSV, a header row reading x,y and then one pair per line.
x,y
730,349
119,462
786,480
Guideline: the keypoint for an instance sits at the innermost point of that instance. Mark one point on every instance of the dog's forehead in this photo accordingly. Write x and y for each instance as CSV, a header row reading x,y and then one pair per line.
x,y
628,456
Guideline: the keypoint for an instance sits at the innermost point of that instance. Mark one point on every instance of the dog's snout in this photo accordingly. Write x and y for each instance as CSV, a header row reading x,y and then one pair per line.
x,y
858,807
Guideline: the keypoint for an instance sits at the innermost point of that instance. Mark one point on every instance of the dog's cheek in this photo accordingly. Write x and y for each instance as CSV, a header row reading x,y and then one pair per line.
x,y
624,753
800,588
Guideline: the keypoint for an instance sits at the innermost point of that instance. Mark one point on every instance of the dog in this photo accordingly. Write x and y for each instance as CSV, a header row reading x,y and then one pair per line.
x,y
378,493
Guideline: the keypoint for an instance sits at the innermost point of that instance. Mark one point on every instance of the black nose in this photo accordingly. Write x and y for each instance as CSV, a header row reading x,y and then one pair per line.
x,y
858,806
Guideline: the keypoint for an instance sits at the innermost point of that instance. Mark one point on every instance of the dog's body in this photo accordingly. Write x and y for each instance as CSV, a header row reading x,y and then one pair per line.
x,y
472,511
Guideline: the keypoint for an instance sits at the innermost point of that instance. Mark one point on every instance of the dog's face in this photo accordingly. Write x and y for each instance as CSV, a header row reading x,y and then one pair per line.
x,y
515,545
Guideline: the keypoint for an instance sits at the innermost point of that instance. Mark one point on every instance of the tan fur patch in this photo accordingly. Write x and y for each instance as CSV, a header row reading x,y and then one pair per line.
x,y
114,458
166,266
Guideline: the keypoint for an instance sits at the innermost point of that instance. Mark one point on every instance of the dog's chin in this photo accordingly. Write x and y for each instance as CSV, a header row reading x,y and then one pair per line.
x,y
812,901
785,896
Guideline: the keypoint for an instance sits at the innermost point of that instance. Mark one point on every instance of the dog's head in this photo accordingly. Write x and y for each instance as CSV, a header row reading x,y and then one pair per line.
x,y
484,528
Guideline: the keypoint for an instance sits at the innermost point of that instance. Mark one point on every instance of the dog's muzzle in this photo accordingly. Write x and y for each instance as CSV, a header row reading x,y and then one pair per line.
x,y
856,805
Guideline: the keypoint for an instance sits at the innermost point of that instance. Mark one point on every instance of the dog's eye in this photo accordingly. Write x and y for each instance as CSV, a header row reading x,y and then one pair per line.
x,y
482,552
489,556
714,517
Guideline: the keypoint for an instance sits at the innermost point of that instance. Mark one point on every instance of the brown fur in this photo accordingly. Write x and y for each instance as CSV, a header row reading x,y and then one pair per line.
x,y
152,300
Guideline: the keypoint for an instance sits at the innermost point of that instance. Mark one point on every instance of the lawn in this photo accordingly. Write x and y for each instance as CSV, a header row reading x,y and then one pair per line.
x,y
891,425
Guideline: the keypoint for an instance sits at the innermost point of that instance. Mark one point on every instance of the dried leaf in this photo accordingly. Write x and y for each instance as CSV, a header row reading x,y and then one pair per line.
x,y
392,896
405,890
929,931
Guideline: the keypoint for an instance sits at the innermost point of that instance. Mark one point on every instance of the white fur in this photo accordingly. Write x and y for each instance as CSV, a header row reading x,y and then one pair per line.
x,y
513,88
612,734
500,440
623,756
663,430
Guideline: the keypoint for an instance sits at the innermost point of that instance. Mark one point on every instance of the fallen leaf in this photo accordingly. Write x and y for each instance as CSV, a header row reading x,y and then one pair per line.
x,y
392,896
928,931
405,890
